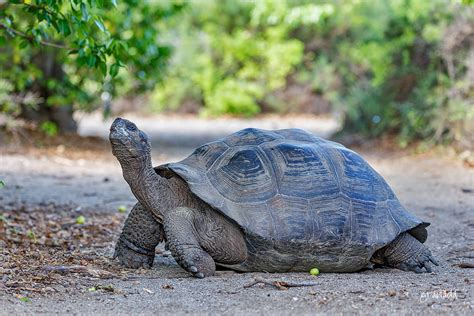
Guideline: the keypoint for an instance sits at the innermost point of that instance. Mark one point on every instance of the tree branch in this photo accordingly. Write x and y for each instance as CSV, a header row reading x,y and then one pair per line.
x,y
52,13
30,38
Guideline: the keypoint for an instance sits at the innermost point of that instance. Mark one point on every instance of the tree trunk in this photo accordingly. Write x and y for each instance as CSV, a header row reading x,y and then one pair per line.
x,y
47,61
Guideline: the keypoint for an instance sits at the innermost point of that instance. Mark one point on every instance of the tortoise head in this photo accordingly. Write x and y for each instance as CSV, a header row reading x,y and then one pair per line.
x,y
128,142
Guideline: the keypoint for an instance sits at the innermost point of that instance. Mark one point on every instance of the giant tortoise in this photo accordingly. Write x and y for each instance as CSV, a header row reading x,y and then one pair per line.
x,y
260,200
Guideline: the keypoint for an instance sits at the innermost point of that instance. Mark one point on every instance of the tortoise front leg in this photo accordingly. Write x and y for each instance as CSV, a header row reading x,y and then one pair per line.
x,y
141,233
199,238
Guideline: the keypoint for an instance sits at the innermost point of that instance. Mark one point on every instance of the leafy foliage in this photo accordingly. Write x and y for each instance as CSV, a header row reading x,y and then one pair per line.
x,y
384,64
92,40
392,67
49,128
230,55
398,66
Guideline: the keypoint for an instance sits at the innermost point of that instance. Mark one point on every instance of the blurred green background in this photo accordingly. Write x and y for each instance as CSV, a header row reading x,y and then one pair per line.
x,y
400,67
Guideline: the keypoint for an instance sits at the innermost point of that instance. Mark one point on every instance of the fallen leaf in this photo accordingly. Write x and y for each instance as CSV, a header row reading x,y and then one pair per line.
x,y
107,288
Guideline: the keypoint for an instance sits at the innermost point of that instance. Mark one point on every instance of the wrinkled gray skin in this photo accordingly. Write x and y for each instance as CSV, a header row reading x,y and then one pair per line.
x,y
198,236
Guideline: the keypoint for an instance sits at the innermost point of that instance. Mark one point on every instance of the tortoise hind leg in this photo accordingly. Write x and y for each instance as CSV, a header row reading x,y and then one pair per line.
x,y
199,238
141,233
406,253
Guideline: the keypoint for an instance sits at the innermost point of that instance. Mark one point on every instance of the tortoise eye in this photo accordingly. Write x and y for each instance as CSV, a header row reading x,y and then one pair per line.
x,y
143,137
131,127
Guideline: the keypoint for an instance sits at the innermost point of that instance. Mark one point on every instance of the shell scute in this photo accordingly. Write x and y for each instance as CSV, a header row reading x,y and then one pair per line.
x,y
290,186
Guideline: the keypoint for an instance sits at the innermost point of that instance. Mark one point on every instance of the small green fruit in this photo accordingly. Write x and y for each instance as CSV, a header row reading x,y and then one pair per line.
x,y
314,271
31,235
80,220
122,209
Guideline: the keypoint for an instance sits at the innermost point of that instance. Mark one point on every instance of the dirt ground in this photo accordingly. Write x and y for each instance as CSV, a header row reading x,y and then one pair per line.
x,y
61,210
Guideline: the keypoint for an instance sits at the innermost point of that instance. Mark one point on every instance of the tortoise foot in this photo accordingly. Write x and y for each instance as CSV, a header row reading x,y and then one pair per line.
x,y
132,256
194,260
408,254
422,262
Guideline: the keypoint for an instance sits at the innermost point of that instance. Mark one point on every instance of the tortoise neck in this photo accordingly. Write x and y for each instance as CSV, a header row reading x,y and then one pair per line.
x,y
147,186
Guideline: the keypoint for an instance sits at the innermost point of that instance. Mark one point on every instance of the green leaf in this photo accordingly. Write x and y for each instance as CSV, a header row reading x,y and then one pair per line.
x,y
49,128
24,44
24,299
103,67
91,61
110,43
114,2
64,27
114,69
8,22
100,25
31,235
85,15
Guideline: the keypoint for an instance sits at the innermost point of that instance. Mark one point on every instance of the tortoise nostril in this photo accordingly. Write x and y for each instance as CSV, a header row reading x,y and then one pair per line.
x,y
116,123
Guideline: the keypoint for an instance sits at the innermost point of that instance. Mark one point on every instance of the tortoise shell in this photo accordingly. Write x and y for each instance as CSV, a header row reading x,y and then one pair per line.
x,y
289,185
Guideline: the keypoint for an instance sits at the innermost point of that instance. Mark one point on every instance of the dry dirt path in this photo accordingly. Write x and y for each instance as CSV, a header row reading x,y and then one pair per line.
x,y
54,187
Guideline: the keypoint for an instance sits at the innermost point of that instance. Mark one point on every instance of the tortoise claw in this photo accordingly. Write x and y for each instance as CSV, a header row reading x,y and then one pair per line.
x,y
434,261
427,266
423,261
